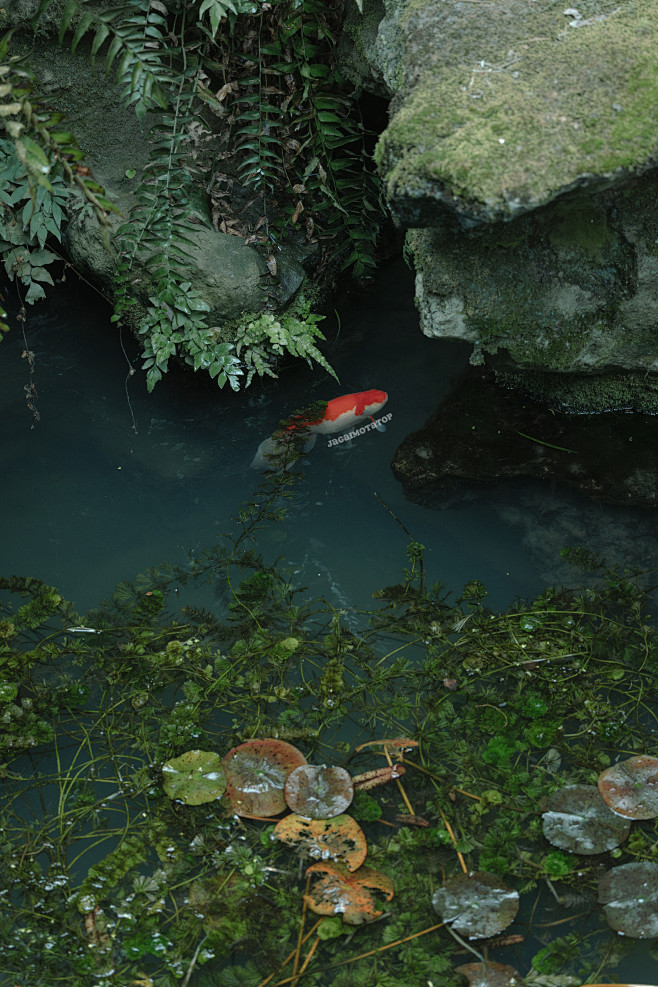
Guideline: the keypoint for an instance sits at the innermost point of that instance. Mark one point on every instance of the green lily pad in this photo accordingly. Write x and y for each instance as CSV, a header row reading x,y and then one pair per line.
x,y
194,777
478,905
631,787
318,791
629,895
578,819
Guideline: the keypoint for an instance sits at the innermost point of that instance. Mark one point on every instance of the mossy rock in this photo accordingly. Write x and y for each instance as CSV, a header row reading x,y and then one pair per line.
x,y
571,288
505,106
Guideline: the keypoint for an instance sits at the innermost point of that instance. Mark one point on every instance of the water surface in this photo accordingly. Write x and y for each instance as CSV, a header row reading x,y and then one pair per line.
x,y
112,480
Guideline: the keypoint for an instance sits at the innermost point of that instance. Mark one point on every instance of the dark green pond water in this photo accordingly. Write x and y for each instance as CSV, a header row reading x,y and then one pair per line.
x,y
112,480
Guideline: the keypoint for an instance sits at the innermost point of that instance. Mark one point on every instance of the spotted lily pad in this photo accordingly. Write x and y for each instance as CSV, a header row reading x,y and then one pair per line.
x,y
631,787
340,838
629,895
340,892
478,905
256,773
318,791
194,777
578,819
490,974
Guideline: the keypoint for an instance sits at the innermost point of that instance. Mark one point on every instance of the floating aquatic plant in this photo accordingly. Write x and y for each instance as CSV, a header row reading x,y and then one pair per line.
x,y
348,893
256,774
476,905
194,777
505,708
629,895
340,838
318,791
631,787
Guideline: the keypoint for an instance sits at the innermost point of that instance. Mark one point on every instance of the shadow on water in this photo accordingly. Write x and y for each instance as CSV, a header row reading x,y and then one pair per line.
x,y
89,500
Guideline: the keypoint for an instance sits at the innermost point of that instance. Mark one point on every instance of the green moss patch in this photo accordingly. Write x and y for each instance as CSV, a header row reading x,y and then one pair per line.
x,y
495,126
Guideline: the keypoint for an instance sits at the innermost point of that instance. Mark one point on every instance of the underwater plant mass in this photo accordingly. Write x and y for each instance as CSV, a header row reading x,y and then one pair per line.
x,y
253,795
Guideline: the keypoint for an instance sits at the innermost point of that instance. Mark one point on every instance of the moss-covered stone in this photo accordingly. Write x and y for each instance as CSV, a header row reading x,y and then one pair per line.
x,y
505,106
588,393
569,288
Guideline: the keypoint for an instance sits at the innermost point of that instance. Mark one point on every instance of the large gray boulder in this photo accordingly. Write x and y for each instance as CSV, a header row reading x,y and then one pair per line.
x,y
570,288
500,106
229,275
520,153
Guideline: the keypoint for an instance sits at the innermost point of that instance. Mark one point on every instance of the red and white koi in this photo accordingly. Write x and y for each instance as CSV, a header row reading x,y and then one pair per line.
x,y
341,413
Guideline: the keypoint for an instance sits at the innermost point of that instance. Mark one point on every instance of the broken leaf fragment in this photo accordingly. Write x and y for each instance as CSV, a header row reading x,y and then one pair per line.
x,y
378,776
629,895
631,787
318,791
340,838
577,819
256,774
194,777
339,892
478,905
398,743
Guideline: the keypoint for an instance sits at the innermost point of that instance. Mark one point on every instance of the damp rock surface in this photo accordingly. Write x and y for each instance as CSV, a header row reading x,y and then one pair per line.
x,y
483,434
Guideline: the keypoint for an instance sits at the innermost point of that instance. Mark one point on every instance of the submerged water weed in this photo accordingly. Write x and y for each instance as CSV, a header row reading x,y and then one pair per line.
x,y
107,879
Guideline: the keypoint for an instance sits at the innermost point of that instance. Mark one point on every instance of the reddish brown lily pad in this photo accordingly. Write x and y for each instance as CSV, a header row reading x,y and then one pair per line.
x,y
631,787
478,905
256,773
340,892
490,974
340,838
318,791
577,819
629,895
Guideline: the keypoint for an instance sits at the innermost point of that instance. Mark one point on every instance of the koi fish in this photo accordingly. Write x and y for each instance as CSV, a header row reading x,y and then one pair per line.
x,y
340,413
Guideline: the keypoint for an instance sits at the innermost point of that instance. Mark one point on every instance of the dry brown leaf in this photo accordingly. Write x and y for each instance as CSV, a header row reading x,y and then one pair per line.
x,y
299,209
399,742
378,776
228,87
408,820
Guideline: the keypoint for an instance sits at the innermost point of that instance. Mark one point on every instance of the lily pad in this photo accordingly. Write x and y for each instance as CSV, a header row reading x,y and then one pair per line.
x,y
194,777
578,819
631,787
490,974
629,895
340,892
340,838
256,773
478,905
318,791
